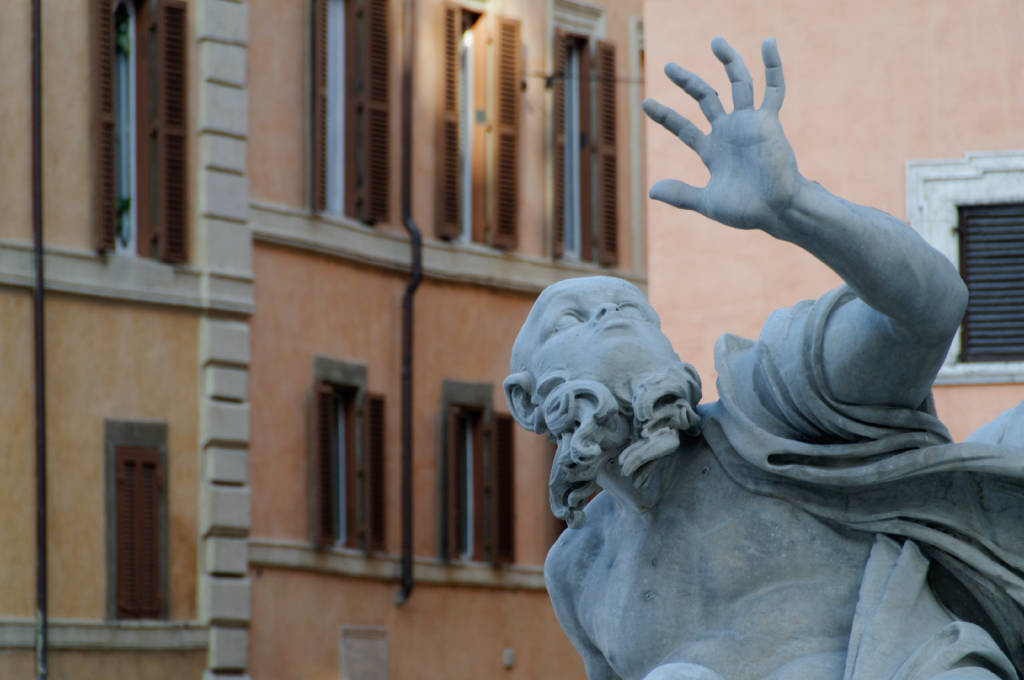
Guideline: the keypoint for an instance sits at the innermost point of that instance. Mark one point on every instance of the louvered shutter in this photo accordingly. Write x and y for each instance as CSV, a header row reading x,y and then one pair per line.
x,y
325,407
139,482
451,484
104,129
992,265
318,106
375,466
607,178
449,223
377,146
506,142
504,489
172,212
558,170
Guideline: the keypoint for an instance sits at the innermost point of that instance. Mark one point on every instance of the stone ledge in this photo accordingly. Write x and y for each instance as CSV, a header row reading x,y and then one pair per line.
x,y
442,260
17,633
301,556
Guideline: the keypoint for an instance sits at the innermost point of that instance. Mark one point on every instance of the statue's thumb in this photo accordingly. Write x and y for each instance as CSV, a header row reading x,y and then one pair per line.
x,y
674,192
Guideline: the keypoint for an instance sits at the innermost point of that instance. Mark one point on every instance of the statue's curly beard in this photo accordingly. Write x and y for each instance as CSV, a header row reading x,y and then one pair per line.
x,y
594,427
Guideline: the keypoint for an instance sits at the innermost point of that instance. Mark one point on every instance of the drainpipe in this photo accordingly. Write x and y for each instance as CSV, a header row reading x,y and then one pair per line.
x,y
40,376
415,275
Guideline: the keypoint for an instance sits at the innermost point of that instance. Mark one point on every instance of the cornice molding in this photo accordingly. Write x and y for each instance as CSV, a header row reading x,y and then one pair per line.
x,y
18,633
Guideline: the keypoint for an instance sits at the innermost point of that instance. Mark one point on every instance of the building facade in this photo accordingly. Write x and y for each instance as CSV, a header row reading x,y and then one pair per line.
x,y
911,108
226,256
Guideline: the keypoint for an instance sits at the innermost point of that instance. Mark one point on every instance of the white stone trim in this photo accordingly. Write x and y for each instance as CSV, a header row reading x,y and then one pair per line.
x,y
578,17
935,188
448,261
18,633
354,564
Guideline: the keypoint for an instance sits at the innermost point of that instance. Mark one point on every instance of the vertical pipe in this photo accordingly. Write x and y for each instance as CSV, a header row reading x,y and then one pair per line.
x,y
415,275
40,374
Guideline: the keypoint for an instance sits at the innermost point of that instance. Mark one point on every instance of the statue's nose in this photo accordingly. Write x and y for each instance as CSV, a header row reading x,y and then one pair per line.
x,y
605,308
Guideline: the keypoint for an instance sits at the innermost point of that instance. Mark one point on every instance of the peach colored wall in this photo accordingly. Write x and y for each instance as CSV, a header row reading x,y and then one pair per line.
x,y
439,633
278,85
352,313
870,85
95,665
105,361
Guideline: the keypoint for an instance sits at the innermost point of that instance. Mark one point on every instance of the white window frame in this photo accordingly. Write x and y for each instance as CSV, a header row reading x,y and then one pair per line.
x,y
335,200
935,189
466,120
126,134
469,516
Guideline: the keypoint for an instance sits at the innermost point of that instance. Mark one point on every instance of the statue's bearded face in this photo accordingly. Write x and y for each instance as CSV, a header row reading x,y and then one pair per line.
x,y
592,369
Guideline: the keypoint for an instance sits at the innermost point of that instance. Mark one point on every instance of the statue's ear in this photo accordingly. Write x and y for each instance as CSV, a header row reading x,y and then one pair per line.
x,y
519,394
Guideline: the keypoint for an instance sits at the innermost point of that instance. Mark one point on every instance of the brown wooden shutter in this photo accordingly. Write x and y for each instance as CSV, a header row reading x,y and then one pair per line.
x,y
139,482
104,128
318,106
347,458
375,457
377,146
506,142
451,484
607,178
504,488
558,170
325,406
449,224
173,122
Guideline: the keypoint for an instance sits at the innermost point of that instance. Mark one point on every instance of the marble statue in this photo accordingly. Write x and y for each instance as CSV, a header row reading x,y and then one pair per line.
x,y
816,522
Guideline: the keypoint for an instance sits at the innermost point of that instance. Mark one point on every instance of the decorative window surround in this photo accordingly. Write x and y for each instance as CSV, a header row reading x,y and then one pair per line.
x,y
934,190
443,260
18,633
578,17
125,277
354,564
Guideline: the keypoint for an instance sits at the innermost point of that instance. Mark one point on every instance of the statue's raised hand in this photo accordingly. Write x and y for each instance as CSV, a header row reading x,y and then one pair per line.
x,y
753,171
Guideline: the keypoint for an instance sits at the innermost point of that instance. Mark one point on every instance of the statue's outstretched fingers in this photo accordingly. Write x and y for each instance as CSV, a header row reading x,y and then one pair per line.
x,y
775,90
739,76
705,95
674,123
679,194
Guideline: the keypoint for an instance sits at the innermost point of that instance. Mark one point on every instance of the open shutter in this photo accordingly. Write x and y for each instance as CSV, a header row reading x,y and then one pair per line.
x,y
139,482
607,179
325,407
318,106
451,482
506,143
377,146
504,489
374,458
173,91
104,194
558,167
449,224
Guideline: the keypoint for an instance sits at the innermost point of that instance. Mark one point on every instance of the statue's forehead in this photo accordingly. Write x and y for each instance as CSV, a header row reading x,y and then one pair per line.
x,y
589,289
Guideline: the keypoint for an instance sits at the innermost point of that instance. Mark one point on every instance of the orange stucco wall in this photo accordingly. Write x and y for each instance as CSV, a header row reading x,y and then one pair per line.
x,y
439,633
103,361
870,85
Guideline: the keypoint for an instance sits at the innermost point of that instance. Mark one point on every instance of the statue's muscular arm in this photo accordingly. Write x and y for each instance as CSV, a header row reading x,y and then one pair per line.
x,y
886,346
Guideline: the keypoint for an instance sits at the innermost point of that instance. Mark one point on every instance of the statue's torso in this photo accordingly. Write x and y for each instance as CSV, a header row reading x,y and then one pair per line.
x,y
715,575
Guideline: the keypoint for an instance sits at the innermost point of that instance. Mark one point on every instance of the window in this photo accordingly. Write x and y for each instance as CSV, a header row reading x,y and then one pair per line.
x,y
478,476
972,211
139,102
347,466
350,127
478,133
585,175
136,461
992,265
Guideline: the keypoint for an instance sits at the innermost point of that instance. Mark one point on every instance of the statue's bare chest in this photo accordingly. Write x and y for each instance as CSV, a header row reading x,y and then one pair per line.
x,y
715,576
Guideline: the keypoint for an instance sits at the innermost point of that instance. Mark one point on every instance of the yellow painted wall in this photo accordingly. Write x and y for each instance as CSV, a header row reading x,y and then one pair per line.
x,y
441,632
15,121
870,85
80,665
121,362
